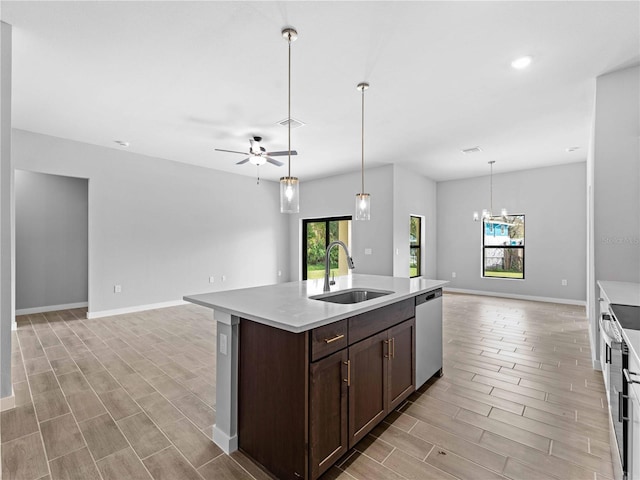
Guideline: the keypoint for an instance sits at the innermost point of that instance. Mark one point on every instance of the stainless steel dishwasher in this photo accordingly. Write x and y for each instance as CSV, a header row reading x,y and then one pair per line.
x,y
428,336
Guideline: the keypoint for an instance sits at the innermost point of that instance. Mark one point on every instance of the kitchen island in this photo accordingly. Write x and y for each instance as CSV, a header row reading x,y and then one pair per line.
x,y
301,380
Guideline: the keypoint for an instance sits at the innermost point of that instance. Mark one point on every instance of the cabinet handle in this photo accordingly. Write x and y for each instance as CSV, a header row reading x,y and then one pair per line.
x,y
393,348
388,343
348,379
334,339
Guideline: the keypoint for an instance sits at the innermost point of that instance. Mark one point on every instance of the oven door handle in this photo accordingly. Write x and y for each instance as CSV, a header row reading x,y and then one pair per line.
x,y
627,375
621,417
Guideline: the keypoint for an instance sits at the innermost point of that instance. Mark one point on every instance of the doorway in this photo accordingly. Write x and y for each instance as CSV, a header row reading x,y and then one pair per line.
x,y
52,244
317,233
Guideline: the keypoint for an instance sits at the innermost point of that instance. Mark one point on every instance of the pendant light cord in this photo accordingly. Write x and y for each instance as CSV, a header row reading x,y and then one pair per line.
x,y
289,104
491,189
363,141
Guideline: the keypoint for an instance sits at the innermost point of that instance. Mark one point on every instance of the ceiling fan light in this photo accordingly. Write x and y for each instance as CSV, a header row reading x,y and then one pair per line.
x,y
363,206
289,195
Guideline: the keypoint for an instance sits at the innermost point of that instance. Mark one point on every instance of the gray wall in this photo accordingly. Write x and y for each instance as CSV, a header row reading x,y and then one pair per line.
x,y
396,193
617,176
336,196
51,240
413,195
614,187
6,213
553,201
160,228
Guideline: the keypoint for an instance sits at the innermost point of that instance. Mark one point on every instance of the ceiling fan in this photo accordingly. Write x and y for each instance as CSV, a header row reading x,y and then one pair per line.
x,y
258,155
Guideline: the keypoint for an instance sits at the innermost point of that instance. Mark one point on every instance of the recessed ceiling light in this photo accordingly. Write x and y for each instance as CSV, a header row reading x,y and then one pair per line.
x,y
122,143
522,62
571,149
471,150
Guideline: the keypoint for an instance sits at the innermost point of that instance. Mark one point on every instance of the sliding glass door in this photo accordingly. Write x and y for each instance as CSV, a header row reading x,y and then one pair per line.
x,y
317,233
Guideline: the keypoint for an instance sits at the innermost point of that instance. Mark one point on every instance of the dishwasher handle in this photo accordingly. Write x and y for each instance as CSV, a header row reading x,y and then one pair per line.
x,y
426,297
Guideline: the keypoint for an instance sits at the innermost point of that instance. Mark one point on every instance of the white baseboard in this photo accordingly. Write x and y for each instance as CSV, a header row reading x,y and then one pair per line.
x,y
137,308
564,301
7,403
51,308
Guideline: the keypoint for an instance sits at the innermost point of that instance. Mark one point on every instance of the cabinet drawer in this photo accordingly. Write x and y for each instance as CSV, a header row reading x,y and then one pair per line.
x,y
328,339
370,323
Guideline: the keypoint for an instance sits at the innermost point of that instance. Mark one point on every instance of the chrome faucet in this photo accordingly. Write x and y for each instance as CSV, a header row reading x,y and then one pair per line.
x,y
327,266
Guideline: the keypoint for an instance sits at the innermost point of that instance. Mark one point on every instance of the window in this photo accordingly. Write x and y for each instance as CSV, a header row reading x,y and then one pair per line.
x,y
503,247
316,235
415,244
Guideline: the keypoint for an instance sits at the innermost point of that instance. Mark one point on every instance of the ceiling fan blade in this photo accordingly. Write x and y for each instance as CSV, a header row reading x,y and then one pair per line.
x,y
281,154
242,162
275,162
230,151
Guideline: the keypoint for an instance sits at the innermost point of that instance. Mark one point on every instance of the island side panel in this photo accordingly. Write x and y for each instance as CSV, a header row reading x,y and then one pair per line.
x,y
273,386
225,431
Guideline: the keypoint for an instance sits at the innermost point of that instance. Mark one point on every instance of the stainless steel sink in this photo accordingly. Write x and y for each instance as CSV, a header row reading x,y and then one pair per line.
x,y
353,295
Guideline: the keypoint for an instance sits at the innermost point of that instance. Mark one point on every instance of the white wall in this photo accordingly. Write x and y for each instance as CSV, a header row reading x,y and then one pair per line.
x,y
553,201
414,195
6,213
160,228
336,196
52,246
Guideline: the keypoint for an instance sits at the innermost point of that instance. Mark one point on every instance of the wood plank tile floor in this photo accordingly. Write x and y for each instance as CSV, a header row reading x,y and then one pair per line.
x,y
133,397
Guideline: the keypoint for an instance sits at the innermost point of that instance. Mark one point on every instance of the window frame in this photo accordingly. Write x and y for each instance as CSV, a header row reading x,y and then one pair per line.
x,y
521,247
326,221
416,246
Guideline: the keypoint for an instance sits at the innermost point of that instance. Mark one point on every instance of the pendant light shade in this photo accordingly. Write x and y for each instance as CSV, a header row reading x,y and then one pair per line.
x,y
363,206
289,195
487,214
363,200
289,186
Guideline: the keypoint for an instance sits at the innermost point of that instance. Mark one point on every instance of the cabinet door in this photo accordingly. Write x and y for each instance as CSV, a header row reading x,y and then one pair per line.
x,y
327,412
368,386
402,374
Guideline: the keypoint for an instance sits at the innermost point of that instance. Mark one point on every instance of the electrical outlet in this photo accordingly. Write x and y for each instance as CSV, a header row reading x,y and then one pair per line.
x,y
224,278
117,289
279,273
564,282
453,274
367,251
397,251
212,279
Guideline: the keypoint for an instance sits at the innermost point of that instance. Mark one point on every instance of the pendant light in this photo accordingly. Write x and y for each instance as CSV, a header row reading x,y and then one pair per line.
x,y
289,186
486,214
363,200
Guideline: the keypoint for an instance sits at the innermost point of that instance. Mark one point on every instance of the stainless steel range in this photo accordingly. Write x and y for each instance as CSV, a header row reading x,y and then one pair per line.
x,y
619,378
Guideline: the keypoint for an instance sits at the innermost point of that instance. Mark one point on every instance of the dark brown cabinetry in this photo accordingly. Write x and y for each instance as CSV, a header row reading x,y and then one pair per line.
x,y
348,376
328,411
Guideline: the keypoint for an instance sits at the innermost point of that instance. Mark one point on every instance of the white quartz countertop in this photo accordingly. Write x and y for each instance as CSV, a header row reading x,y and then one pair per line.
x,y
625,293
288,306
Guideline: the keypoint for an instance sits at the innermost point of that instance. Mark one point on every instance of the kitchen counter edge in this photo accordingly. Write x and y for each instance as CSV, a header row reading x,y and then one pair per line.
x,y
306,314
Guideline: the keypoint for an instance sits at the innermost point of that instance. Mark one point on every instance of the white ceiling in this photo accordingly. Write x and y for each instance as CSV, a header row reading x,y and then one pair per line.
x,y
178,79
